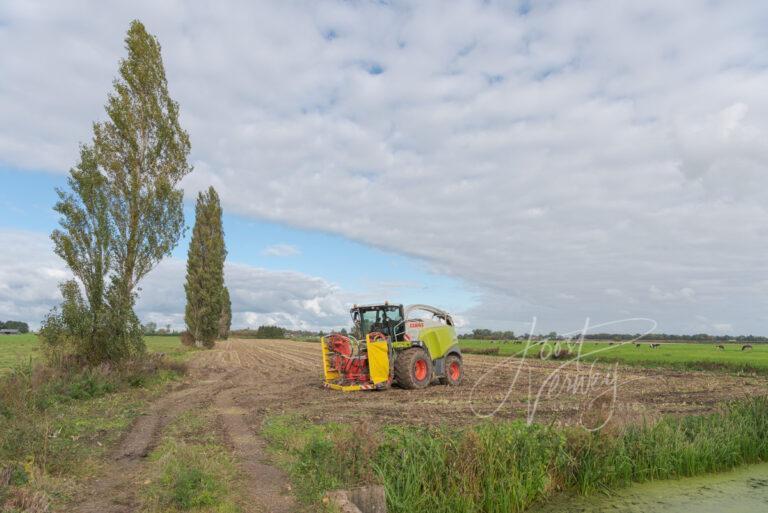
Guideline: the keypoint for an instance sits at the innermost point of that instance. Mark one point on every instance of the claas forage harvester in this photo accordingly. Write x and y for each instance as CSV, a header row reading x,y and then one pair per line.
x,y
408,346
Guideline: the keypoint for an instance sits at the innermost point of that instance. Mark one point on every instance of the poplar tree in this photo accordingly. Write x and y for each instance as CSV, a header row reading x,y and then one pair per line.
x,y
205,271
225,321
124,213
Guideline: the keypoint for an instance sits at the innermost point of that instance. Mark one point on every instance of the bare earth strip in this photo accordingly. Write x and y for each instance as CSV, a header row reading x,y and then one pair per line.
x,y
246,379
288,377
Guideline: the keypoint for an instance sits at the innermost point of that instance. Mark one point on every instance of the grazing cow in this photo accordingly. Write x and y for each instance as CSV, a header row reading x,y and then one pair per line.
x,y
654,346
746,346
638,344
721,346
610,343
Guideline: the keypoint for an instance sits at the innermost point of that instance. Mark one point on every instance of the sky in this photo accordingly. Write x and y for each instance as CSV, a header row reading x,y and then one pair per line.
x,y
556,160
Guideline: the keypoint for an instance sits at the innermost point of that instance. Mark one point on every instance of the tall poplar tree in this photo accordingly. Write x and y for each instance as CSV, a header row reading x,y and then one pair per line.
x,y
205,271
124,213
225,321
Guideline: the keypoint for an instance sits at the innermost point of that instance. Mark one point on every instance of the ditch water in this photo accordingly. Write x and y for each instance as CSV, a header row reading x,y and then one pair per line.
x,y
744,490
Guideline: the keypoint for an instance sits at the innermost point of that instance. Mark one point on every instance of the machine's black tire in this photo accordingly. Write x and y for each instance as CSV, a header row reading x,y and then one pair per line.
x,y
450,378
406,371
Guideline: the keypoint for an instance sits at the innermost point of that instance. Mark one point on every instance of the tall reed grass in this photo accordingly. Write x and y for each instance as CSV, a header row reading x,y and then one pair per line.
x,y
505,467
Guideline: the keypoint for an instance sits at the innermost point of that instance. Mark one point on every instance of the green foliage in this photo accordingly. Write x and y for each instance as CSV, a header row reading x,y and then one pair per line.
x,y
225,321
506,466
22,327
205,271
486,334
112,335
270,332
149,328
124,212
142,153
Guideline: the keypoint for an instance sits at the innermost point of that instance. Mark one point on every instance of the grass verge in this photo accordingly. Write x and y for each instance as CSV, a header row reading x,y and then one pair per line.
x,y
56,425
191,470
508,466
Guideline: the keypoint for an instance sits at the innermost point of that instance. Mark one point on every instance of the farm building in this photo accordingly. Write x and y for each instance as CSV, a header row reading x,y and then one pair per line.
x,y
5,331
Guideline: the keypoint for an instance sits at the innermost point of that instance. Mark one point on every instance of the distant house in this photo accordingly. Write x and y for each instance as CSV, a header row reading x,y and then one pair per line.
x,y
8,332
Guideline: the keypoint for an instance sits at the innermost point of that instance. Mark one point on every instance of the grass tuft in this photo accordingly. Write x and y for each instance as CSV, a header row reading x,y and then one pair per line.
x,y
192,470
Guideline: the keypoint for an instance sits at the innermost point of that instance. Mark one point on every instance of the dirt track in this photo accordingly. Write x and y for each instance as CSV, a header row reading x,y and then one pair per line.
x,y
245,379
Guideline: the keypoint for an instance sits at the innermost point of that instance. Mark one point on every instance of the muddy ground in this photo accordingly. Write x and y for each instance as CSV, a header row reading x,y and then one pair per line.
x,y
287,377
243,380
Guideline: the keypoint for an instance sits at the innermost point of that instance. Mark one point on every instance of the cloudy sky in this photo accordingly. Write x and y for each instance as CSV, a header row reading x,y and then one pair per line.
x,y
504,160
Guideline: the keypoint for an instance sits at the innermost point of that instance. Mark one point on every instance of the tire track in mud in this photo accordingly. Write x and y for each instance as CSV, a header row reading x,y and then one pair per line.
x,y
115,491
232,369
280,356
267,485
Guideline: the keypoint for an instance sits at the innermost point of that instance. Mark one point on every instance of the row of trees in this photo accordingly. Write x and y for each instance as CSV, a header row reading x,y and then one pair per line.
x,y
699,337
208,314
262,332
23,327
151,328
485,334
123,211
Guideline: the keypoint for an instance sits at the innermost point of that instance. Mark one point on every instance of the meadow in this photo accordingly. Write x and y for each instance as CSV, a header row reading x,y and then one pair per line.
x,y
18,349
687,356
22,349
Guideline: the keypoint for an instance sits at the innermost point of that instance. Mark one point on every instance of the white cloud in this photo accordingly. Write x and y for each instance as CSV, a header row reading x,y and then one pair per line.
x,y
685,293
722,327
30,272
259,296
579,148
281,250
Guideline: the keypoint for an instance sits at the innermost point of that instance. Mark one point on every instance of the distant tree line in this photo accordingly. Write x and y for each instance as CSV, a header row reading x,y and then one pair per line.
x,y
261,332
151,328
699,337
486,334
23,327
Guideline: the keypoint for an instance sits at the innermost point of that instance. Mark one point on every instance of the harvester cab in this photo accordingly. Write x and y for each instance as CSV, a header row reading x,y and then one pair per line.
x,y
390,344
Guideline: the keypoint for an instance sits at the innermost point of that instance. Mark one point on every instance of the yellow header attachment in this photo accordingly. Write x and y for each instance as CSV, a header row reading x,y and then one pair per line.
x,y
378,367
378,361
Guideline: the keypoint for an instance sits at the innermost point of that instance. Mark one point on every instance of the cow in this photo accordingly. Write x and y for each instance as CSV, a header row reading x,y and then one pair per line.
x,y
721,346
746,346
638,344
654,346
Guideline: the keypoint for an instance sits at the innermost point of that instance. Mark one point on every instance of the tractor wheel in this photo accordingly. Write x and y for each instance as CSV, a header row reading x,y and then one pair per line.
x,y
413,368
454,371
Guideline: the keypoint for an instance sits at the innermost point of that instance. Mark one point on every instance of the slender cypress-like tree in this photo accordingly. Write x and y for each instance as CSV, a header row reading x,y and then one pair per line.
x,y
225,321
205,271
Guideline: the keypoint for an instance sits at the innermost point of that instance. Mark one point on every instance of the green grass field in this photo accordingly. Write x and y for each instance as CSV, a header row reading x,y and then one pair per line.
x,y
18,349
682,355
